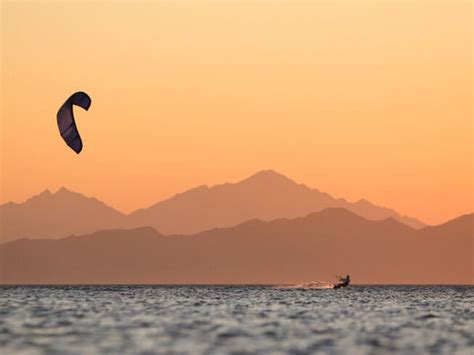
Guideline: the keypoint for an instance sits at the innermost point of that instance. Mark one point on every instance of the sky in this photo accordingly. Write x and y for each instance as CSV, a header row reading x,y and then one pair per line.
x,y
360,99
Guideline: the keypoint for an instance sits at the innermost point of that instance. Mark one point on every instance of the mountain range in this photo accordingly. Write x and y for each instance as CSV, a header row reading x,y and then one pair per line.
x,y
281,251
55,215
266,195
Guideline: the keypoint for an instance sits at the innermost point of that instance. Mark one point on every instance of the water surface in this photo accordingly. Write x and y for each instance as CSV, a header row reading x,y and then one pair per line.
x,y
229,319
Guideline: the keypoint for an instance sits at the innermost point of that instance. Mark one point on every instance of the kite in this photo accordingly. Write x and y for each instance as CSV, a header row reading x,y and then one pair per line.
x,y
67,123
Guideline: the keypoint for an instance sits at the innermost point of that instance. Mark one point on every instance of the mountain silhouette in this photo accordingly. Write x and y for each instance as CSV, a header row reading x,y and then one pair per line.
x,y
315,247
54,215
266,195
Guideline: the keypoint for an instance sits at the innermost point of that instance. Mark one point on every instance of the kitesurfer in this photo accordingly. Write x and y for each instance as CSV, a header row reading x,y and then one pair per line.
x,y
343,282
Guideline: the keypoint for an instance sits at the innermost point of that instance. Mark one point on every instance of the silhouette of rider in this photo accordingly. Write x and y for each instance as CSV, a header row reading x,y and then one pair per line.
x,y
343,281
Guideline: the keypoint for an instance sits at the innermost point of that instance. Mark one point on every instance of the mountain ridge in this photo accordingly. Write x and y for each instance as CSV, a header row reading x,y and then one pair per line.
x,y
308,248
48,214
295,200
265,195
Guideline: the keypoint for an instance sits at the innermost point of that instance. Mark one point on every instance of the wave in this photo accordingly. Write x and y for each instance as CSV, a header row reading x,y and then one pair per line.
x,y
312,284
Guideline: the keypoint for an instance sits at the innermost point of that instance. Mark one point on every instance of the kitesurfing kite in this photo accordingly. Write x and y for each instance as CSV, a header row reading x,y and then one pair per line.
x,y
66,122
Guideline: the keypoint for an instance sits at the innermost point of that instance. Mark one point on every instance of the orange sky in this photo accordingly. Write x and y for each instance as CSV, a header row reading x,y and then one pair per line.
x,y
358,99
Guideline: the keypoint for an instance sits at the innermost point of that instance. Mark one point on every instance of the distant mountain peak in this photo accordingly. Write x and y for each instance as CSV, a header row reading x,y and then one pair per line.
x,y
265,195
267,173
363,201
46,192
65,192
43,195
268,176
54,215
337,213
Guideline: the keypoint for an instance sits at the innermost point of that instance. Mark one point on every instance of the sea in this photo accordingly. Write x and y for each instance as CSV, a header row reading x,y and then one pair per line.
x,y
236,320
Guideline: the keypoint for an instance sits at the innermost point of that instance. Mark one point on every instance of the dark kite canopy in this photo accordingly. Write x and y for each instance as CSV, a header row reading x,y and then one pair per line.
x,y
66,122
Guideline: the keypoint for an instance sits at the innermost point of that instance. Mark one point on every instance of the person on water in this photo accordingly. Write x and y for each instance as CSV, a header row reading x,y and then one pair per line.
x,y
343,281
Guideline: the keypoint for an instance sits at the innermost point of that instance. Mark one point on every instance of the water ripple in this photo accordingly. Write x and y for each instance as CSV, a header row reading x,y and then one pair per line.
x,y
231,319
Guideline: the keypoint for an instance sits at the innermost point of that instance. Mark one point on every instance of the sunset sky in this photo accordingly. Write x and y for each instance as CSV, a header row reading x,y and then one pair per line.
x,y
359,99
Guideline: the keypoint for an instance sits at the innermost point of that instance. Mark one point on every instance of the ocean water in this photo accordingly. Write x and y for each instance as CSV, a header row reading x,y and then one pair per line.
x,y
236,319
